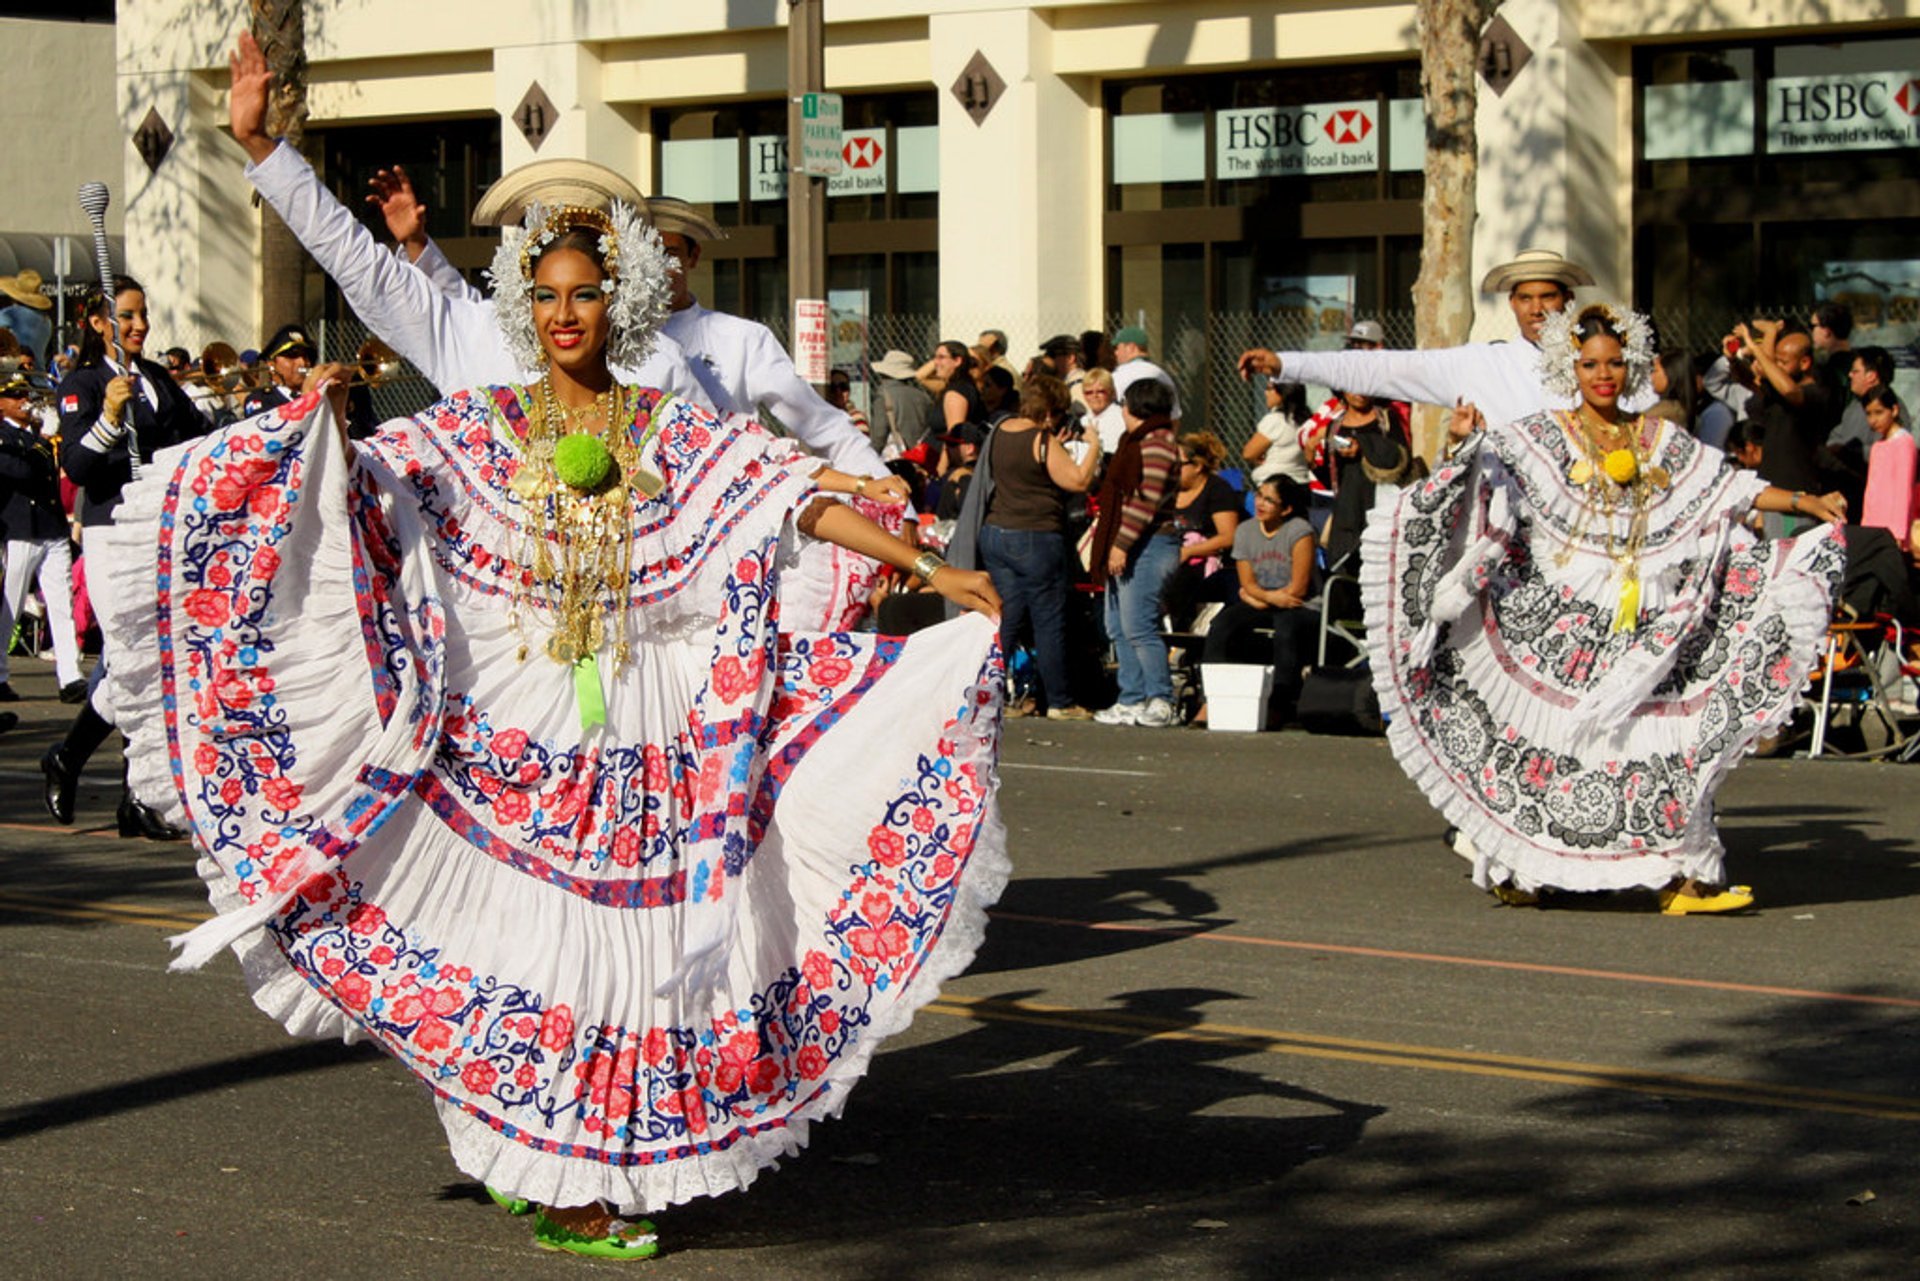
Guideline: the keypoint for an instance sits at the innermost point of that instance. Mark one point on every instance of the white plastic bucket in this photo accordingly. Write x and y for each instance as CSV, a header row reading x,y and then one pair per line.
x,y
1237,695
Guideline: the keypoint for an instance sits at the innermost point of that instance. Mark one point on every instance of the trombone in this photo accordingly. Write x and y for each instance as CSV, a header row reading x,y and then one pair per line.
x,y
40,385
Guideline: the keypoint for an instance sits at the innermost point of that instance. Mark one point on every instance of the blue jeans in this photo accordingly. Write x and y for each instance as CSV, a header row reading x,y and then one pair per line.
x,y
1029,570
1133,622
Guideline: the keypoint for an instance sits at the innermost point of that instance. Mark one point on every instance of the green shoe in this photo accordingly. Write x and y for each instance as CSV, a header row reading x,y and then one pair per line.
x,y
511,1204
624,1239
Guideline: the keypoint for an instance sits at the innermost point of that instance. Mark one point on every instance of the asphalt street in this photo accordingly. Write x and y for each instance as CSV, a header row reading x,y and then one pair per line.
x,y
1238,1015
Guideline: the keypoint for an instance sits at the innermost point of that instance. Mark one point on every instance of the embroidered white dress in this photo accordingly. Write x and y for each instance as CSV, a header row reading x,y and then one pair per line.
x,y
1577,756
631,962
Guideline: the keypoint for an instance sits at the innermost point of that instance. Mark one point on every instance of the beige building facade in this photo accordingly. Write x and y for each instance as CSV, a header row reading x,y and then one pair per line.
x,y
1049,168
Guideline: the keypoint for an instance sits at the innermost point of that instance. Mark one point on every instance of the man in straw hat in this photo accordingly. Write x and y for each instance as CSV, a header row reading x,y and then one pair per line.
x,y
1501,378
454,342
23,310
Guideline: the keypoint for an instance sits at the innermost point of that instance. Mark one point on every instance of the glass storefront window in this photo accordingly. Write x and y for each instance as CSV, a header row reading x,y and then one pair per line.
x,y
732,162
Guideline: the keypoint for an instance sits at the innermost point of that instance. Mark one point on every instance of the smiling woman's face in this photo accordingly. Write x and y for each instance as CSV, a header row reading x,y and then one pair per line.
x,y
570,310
1601,368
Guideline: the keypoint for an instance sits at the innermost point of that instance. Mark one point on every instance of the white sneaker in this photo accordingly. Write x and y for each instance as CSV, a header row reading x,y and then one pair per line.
x,y
1119,714
1158,713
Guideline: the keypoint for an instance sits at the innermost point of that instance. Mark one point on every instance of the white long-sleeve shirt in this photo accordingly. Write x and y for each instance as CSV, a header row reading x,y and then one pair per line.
x,y
750,369
454,340
1502,379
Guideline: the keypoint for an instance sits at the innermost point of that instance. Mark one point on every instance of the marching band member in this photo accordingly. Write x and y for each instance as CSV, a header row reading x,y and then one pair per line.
x,y
35,527
290,354
112,412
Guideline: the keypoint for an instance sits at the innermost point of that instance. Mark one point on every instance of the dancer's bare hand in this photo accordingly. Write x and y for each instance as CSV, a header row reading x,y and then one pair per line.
x,y
1831,508
968,588
888,490
247,100
406,217
332,379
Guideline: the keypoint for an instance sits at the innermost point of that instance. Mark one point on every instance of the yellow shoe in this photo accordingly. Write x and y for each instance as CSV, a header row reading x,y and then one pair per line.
x,y
1735,898
1512,896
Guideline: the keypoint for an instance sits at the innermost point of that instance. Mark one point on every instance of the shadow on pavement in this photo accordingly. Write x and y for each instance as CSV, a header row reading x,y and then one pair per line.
x,y
153,1091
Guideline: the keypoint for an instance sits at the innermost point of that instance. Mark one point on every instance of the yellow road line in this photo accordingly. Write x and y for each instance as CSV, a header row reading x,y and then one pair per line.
x,y
1430,1058
1513,1067
124,913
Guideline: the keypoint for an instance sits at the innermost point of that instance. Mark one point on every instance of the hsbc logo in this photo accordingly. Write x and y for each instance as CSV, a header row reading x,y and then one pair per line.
x,y
1908,99
1348,127
1321,137
862,152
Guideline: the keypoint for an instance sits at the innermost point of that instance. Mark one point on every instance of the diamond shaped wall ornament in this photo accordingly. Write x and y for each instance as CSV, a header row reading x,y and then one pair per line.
x,y
535,116
1502,55
978,87
153,140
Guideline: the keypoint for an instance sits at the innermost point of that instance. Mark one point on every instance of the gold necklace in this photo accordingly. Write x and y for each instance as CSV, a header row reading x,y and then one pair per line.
x,y
1613,477
577,538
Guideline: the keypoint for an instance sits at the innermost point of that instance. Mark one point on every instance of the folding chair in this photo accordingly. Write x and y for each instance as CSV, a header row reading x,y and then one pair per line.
x,y
1855,694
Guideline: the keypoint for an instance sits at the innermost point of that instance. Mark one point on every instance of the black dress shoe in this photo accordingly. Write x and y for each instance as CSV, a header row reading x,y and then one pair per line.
x,y
62,782
137,820
8,693
7,721
74,691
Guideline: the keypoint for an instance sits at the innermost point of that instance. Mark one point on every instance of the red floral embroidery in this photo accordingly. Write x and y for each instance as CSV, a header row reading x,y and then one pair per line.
x,y
556,1028
207,607
886,845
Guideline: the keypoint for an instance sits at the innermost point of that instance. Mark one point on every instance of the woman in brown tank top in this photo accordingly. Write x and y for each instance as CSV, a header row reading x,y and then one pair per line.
x,y
1023,544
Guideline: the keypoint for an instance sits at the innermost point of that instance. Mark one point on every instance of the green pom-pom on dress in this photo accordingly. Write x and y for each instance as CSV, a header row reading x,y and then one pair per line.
x,y
581,461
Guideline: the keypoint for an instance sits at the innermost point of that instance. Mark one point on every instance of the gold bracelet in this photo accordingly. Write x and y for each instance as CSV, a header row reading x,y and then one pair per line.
x,y
860,486
1798,494
926,565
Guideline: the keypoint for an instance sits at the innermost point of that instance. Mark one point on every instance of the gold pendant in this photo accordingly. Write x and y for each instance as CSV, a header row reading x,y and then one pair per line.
x,y
649,485
1581,472
562,650
1658,477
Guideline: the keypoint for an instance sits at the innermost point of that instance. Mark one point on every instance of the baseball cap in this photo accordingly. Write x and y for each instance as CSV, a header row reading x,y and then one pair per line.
x,y
1367,331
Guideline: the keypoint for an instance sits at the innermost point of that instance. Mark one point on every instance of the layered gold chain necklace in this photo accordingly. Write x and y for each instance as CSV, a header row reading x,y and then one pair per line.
x,y
1614,473
579,469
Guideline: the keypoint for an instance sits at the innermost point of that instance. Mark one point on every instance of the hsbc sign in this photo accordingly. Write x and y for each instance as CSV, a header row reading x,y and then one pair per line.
x,y
863,164
1320,138
1861,112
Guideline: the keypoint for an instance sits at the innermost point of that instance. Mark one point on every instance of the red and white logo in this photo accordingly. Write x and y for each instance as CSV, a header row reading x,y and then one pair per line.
x,y
69,404
1348,126
861,152
1909,97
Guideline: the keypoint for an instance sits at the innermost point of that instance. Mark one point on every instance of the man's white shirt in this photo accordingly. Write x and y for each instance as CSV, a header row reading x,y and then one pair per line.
x,y
1501,379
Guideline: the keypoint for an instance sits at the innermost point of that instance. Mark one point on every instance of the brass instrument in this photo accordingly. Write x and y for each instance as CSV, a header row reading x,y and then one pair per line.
x,y
40,385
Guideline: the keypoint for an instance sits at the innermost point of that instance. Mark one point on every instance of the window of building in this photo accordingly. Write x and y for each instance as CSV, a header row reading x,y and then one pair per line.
x,y
1772,175
1272,207
882,228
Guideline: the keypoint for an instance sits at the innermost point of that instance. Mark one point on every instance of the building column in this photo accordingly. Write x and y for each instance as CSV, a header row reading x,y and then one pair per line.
x,y
1019,193
191,233
1550,160
581,124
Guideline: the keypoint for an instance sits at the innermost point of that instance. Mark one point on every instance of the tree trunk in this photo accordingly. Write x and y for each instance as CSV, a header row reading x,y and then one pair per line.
x,y
281,28
1443,295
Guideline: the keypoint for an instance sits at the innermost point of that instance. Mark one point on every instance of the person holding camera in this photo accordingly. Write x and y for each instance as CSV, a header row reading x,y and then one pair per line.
x,y
1793,407
1024,480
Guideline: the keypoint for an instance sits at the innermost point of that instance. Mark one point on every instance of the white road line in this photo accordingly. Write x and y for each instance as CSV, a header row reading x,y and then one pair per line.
x,y
1080,769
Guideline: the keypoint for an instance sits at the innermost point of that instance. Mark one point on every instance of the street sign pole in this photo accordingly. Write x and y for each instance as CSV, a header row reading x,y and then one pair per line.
x,y
806,189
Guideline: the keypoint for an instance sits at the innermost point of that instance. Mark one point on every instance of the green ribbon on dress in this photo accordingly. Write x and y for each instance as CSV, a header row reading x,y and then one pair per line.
x,y
586,692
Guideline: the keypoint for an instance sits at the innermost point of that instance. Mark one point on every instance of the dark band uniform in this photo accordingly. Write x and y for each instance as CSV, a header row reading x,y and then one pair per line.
x,y
94,454
286,340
